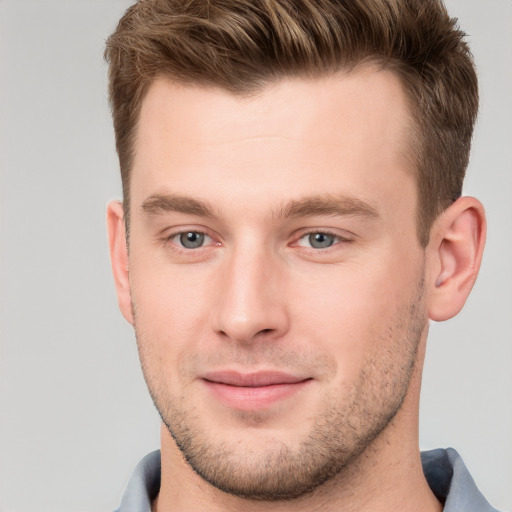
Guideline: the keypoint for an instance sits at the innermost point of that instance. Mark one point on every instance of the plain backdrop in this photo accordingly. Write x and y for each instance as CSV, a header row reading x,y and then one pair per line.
x,y
75,416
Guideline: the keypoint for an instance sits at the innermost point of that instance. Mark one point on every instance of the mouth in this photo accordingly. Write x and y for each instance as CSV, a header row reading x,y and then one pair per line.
x,y
253,391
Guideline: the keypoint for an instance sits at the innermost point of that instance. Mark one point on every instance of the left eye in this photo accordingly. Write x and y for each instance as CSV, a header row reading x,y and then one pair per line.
x,y
318,240
191,239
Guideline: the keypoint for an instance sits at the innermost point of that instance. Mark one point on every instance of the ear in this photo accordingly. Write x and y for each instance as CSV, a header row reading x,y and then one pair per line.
x,y
454,255
119,257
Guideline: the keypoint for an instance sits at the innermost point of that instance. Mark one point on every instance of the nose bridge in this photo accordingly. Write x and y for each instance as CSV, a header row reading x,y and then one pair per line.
x,y
249,298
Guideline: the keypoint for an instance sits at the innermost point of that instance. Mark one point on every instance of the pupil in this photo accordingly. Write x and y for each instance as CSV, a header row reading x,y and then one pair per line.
x,y
320,240
191,240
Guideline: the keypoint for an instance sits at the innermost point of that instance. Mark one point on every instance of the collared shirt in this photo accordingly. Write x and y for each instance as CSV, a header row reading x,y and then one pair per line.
x,y
444,470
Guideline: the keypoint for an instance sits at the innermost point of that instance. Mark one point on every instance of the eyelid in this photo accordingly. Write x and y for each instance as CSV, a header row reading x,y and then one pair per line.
x,y
307,244
176,236
170,234
345,237
214,240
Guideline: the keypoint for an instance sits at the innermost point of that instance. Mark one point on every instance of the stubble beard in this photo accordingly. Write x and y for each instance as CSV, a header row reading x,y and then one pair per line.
x,y
333,444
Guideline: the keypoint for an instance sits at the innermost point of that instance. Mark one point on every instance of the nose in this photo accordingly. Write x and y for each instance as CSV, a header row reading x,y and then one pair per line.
x,y
251,301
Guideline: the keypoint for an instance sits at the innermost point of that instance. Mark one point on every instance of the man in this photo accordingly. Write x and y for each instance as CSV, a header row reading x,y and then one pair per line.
x,y
292,219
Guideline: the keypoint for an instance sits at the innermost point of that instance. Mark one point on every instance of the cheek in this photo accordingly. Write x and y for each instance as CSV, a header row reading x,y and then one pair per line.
x,y
171,314
173,294
353,311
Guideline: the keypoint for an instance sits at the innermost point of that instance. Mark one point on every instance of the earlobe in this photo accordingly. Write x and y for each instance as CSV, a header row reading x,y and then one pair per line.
x,y
119,257
455,253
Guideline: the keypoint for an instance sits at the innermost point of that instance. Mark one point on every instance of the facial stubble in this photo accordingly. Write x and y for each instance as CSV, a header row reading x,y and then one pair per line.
x,y
338,436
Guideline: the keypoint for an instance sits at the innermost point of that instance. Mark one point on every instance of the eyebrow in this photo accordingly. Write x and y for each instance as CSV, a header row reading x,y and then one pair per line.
x,y
328,205
309,206
163,203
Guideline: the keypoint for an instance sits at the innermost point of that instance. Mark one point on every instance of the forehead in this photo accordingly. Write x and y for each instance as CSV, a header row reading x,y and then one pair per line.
x,y
345,131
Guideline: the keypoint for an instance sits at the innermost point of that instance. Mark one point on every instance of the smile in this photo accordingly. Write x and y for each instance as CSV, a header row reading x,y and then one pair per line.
x,y
253,391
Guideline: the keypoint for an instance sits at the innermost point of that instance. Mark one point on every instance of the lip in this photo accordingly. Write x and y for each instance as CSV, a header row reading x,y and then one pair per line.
x,y
253,391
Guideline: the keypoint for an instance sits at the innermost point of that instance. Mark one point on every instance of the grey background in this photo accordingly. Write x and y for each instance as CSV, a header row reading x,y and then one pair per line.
x,y
74,412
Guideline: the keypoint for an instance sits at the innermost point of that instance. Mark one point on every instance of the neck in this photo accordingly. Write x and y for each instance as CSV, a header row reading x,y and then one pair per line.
x,y
370,483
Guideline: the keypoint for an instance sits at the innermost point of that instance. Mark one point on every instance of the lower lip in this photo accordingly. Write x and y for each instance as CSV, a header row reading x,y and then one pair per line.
x,y
251,398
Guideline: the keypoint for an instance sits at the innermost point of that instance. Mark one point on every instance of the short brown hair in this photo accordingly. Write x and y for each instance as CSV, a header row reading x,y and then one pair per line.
x,y
243,45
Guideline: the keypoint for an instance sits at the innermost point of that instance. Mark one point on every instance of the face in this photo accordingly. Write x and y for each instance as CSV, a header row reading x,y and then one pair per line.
x,y
275,274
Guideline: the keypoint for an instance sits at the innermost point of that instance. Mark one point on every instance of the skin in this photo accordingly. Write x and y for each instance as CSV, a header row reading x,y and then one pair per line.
x,y
260,177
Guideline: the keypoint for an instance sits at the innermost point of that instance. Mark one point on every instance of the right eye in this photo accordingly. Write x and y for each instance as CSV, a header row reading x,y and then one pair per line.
x,y
191,239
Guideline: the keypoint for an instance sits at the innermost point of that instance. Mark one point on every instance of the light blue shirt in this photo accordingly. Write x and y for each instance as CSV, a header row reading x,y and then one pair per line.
x,y
444,470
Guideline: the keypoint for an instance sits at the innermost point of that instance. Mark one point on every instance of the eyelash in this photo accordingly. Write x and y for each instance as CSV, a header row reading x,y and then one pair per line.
x,y
337,239
171,238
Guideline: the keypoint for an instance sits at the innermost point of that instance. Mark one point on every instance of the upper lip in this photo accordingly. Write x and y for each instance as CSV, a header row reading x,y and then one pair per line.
x,y
255,379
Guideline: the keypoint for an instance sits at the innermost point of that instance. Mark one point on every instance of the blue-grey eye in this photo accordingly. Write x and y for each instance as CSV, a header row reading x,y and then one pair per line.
x,y
321,240
191,239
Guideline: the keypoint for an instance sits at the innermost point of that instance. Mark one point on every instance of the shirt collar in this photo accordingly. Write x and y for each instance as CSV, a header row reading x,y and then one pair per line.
x,y
444,470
